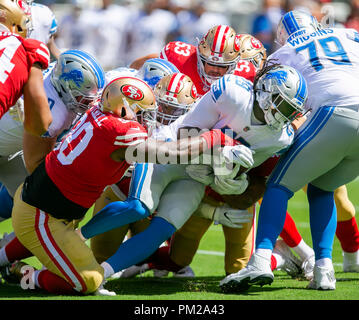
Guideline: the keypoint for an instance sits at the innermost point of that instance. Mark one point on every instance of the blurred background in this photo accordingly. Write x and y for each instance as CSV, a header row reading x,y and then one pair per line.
x,y
117,32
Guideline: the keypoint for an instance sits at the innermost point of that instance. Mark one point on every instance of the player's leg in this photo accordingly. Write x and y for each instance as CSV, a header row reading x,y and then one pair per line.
x,y
106,244
347,230
178,202
57,246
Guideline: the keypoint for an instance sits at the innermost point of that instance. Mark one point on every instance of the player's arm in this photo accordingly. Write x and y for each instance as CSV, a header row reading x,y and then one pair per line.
x,y
35,149
37,114
138,63
55,51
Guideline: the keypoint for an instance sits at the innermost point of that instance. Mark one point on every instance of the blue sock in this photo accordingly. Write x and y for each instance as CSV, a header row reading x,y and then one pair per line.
x,y
323,221
272,215
142,245
6,203
115,215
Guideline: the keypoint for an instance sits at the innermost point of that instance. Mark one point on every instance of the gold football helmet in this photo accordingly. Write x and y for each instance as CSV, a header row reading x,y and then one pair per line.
x,y
15,15
252,49
220,47
175,94
130,98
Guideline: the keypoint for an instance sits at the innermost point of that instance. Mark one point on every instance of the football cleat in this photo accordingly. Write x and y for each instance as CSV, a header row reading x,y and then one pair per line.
x,y
308,267
160,273
351,261
101,291
323,278
185,272
257,272
134,270
292,265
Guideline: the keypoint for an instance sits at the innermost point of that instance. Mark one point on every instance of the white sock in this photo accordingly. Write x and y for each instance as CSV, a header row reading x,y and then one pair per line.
x,y
279,259
303,250
324,262
108,271
3,257
264,253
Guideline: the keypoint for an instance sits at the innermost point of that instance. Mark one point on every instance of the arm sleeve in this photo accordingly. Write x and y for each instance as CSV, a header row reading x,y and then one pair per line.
x,y
37,52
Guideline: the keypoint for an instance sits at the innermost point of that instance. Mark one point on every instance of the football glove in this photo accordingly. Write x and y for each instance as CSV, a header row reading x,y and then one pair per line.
x,y
201,173
228,186
232,218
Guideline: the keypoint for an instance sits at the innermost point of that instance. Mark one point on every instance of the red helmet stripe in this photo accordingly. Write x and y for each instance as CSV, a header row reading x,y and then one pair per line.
x,y
220,39
175,84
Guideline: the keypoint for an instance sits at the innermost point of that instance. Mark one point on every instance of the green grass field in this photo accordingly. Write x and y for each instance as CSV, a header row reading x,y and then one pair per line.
x,y
208,265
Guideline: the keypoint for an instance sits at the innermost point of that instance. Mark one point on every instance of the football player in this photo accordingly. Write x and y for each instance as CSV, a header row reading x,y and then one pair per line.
x,y
22,61
95,153
325,150
271,134
70,84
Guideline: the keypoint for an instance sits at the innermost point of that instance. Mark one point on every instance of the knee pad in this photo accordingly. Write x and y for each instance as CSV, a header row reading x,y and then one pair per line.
x,y
92,279
138,207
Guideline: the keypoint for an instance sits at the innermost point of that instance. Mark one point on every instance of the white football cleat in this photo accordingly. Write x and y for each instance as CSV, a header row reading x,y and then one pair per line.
x,y
101,291
185,272
257,272
323,279
308,267
292,265
134,270
351,261
116,275
160,273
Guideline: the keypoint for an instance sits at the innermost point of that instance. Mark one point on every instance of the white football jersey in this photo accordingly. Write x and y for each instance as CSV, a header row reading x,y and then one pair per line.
x,y
43,22
120,72
11,126
228,106
329,61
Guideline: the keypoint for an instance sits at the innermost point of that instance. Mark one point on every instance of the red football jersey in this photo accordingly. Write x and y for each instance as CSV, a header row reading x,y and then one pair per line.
x,y
17,55
184,57
81,166
246,70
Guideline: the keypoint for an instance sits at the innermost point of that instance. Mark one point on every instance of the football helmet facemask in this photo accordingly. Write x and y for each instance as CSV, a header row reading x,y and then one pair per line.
x,y
281,93
130,98
175,94
252,49
78,79
219,47
294,23
15,15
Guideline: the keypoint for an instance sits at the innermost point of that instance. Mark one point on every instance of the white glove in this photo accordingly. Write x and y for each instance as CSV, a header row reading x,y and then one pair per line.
x,y
201,173
238,154
223,185
232,218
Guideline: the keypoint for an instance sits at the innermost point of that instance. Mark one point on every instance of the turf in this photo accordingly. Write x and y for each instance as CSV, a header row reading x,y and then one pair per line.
x,y
208,265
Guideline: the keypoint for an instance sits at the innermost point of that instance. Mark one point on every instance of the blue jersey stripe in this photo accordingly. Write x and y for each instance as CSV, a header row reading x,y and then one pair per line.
x,y
312,129
302,90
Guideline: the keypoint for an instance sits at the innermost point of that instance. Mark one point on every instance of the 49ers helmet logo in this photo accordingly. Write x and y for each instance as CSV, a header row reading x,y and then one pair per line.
x,y
255,43
132,92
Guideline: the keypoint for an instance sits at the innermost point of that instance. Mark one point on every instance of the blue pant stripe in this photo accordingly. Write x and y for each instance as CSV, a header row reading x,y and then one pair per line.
x,y
315,127
138,177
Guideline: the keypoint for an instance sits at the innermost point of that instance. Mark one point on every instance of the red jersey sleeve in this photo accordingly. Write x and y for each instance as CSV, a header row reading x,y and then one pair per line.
x,y
36,52
129,133
246,70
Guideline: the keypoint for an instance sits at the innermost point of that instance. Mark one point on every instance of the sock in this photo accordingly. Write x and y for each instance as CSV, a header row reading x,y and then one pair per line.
x,y
52,283
273,262
279,261
142,245
108,271
14,250
115,215
303,250
272,215
290,233
348,235
323,221
161,260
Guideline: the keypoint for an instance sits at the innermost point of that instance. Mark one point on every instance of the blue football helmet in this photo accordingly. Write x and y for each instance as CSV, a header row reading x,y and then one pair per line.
x,y
281,94
78,79
294,22
153,70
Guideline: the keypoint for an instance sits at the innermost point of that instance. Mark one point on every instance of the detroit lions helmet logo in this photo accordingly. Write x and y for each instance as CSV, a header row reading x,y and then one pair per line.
x,y
280,76
75,75
132,92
